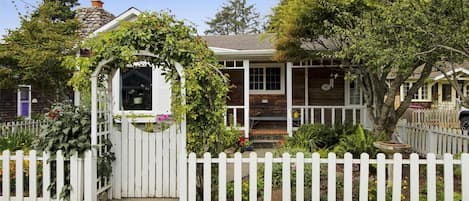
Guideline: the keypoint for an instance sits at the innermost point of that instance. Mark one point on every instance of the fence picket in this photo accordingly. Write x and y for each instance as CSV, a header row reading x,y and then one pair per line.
x,y
331,176
397,175
465,176
268,177
145,161
286,185
448,177
253,176
348,177
299,176
315,177
32,175
45,175
207,177
237,177
414,177
19,175
431,177
364,174
60,172
222,177
381,177
192,179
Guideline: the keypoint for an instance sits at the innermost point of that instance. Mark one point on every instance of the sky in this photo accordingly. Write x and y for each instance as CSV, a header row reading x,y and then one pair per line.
x,y
195,11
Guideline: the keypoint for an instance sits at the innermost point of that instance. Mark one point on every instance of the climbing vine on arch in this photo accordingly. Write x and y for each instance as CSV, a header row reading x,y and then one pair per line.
x,y
173,41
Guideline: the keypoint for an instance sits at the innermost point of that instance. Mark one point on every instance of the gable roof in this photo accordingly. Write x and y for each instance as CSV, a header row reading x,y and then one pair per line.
x,y
128,15
240,42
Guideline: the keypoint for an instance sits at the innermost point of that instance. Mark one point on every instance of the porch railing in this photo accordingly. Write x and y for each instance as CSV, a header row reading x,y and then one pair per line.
x,y
288,175
329,115
231,116
430,139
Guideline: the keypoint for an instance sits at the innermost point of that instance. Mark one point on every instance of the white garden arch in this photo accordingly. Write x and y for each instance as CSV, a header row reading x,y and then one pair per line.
x,y
147,164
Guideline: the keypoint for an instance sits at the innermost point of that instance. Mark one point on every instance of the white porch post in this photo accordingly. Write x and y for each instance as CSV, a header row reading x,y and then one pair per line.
x,y
306,117
289,99
246,98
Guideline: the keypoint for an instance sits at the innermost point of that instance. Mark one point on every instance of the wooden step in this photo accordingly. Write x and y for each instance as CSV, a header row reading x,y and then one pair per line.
x,y
268,132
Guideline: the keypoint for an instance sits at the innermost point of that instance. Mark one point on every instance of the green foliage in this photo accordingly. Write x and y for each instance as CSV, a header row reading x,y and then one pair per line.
x,y
380,39
235,17
313,137
360,141
69,130
173,41
34,52
16,141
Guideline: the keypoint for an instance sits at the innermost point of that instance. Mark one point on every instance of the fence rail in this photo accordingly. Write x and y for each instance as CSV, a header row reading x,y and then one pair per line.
x,y
431,139
32,126
445,118
293,171
28,177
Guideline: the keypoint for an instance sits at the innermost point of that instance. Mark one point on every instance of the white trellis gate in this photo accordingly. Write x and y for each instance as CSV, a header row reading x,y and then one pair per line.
x,y
147,164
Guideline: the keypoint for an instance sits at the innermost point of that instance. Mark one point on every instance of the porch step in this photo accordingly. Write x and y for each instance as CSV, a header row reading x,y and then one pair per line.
x,y
267,138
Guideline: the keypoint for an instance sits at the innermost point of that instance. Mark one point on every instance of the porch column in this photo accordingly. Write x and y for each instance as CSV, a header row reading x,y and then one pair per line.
x,y
246,98
289,99
306,117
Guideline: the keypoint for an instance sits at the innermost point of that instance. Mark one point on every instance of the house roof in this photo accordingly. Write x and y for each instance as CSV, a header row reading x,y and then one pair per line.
x,y
436,74
92,18
240,42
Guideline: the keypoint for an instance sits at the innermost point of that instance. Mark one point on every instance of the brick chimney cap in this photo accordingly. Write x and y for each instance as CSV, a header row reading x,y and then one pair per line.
x,y
97,3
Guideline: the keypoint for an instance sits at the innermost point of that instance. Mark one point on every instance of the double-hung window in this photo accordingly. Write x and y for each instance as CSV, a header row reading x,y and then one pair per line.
x,y
421,95
266,79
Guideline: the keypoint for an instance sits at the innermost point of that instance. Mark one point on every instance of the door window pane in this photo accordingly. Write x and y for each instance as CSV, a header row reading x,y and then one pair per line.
x,y
136,89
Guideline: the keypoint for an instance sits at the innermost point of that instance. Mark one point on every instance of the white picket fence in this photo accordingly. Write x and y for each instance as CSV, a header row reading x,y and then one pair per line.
x,y
32,126
37,168
335,166
445,118
431,139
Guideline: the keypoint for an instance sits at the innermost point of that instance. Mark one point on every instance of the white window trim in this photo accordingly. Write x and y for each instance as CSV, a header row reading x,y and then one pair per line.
x,y
116,93
420,99
282,79
18,104
347,93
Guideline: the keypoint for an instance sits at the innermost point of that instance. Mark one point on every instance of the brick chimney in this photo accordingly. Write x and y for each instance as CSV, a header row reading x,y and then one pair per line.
x,y
97,3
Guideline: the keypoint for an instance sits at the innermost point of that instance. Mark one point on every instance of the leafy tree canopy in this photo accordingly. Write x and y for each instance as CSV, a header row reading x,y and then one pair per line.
x,y
173,41
33,53
383,43
235,17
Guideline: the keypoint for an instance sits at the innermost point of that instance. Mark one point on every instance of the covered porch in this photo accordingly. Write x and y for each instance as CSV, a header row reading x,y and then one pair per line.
x,y
270,98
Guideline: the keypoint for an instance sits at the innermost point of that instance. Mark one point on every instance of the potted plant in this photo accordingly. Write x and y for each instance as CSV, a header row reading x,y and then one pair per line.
x,y
245,144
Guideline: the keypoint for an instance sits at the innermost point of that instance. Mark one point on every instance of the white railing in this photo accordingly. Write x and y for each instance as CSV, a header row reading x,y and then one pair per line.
x,y
354,172
431,139
446,118
330,115
32,126
41,170
232,114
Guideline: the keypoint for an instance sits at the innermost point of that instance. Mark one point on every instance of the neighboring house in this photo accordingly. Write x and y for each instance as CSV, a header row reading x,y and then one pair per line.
x,y
437,91
26,100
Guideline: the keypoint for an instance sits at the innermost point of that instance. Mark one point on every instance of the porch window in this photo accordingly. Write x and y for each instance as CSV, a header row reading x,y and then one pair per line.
x,y
266,80
446,92
136,88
